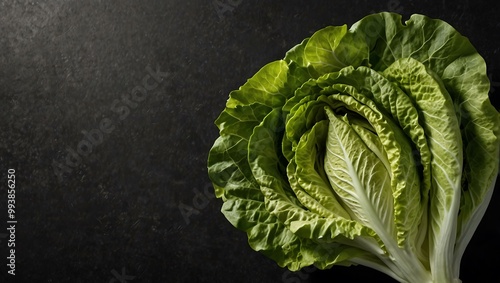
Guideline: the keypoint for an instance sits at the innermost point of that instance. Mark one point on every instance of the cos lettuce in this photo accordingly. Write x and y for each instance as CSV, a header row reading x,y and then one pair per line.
x,y
374,145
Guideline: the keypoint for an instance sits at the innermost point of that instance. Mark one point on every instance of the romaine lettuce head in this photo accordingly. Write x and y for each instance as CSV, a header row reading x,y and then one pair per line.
x,y
373,145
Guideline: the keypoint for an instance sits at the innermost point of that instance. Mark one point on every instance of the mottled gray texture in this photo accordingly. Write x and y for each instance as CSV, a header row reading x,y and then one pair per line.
x,y
62,66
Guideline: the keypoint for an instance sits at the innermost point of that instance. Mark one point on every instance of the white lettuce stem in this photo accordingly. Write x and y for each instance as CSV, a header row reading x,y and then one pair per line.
x,y
379,267
404,265
408,263
443,244
371,246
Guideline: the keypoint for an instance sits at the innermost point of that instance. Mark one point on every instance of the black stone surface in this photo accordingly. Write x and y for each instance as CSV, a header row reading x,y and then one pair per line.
x,y
68,66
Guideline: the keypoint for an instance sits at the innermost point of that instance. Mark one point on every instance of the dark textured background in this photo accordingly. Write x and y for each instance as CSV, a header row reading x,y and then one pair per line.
x,y
116,215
